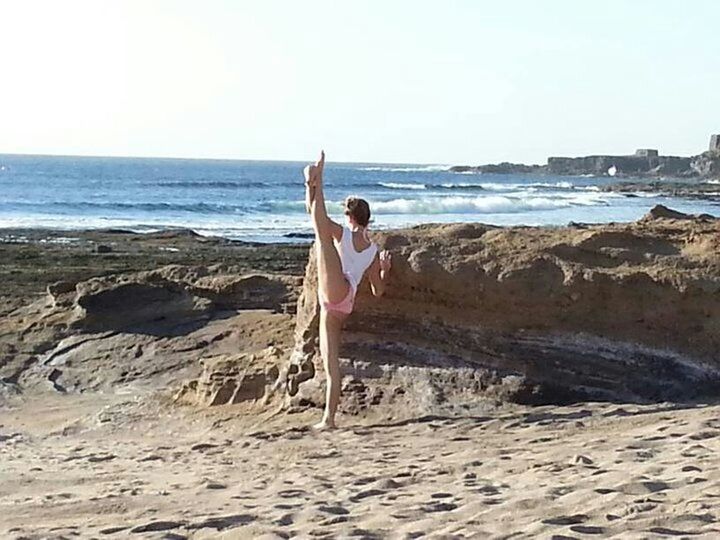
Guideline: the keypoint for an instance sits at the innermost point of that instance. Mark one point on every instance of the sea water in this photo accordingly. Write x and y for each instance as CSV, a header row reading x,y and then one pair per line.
x,y
264,200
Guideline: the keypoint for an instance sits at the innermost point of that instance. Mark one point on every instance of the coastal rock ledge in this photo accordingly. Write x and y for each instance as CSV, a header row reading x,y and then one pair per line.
x,y
625,312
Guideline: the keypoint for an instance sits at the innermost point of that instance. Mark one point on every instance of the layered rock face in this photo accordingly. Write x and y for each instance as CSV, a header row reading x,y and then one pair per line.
x,y
707,164
629,165
149,327
538,315
500,168
644,163
233,378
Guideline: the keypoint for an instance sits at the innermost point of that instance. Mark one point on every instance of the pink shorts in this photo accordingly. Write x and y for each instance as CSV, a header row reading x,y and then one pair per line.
x,y
344,306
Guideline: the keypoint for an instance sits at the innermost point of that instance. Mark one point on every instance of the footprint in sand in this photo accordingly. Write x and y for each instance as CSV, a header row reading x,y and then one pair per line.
x,y
336,510
366,494
560,491
574,519
285,520
438,506
643,487
223,522
364,480
292,493
587,529
704,435
157,526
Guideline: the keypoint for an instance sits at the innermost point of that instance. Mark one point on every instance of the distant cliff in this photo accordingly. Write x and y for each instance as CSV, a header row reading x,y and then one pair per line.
x,y
636,165
500,168
644,163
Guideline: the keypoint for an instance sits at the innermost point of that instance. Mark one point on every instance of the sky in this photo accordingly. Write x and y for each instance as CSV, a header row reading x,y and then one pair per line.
x,y
390,81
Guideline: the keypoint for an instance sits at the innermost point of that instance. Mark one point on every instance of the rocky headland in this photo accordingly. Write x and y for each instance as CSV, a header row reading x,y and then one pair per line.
x,y
513,380
644,163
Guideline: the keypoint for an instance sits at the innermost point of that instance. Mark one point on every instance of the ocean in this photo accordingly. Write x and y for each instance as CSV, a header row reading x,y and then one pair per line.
x,y
263,200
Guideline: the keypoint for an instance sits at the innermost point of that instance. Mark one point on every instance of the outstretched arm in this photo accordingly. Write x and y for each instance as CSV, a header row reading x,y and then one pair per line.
x,y
380,272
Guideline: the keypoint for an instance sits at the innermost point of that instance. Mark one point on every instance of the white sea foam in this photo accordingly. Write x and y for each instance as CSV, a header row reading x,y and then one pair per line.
x,y
481,205
398,185
501,186
461,185
419,168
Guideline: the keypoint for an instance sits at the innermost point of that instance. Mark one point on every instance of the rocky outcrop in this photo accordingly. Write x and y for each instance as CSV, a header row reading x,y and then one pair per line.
x,y
663,212
170,296
499,168
152,325
537,315
473,313
635,165
689,189
644,162
232,379
707,164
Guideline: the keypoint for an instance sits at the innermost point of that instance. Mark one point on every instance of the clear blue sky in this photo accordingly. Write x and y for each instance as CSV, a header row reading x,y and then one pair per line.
x,y
381,81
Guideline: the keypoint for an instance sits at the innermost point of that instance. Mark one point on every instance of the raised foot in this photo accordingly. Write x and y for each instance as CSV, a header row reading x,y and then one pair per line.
x,y
309,172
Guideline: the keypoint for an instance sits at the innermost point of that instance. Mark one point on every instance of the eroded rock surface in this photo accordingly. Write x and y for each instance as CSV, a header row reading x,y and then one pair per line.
x,y
234,378
144,327
538,315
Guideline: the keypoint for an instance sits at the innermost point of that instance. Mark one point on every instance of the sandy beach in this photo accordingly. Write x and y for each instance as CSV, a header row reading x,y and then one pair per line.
x,y
177,421
359,270
128,465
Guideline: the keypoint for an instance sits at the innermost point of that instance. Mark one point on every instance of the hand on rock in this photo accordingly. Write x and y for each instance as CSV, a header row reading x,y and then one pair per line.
x,y
385,260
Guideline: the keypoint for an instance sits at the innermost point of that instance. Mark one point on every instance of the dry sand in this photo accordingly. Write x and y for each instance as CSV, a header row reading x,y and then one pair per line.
x,y
132,465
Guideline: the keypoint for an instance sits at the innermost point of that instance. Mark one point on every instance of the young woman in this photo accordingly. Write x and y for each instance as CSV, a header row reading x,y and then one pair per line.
x,y
343,256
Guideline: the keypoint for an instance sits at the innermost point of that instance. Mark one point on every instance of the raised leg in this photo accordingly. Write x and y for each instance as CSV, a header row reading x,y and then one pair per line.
x,y
310,173
330,332
332,284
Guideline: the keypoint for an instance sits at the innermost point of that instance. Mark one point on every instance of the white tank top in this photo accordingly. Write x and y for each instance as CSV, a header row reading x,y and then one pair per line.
x,y
354,263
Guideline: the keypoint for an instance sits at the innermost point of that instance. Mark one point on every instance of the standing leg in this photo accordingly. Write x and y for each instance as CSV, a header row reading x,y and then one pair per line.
x,y
330,330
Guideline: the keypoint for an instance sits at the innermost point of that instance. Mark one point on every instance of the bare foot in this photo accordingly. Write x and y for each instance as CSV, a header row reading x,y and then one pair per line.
x,y
310,174
324,425
320,166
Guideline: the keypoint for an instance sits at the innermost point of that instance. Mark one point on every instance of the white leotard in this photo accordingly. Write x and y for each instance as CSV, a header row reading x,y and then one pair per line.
x,y
354,263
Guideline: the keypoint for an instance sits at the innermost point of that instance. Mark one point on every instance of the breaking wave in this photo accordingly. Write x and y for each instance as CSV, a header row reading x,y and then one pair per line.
x,y
420,168
493,204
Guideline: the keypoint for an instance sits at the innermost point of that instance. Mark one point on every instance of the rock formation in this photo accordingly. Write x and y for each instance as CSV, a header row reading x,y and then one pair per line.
x,y
635,165
645,162
233,378
137,326
473,314
500,168
536,315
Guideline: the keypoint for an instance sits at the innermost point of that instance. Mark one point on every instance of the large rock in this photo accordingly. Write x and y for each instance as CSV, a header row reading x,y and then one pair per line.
x,y
172,297
234,378
707,164
143,326
539,314
635,165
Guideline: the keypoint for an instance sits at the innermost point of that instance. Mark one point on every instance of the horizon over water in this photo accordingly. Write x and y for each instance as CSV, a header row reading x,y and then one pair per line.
x,y
259,200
